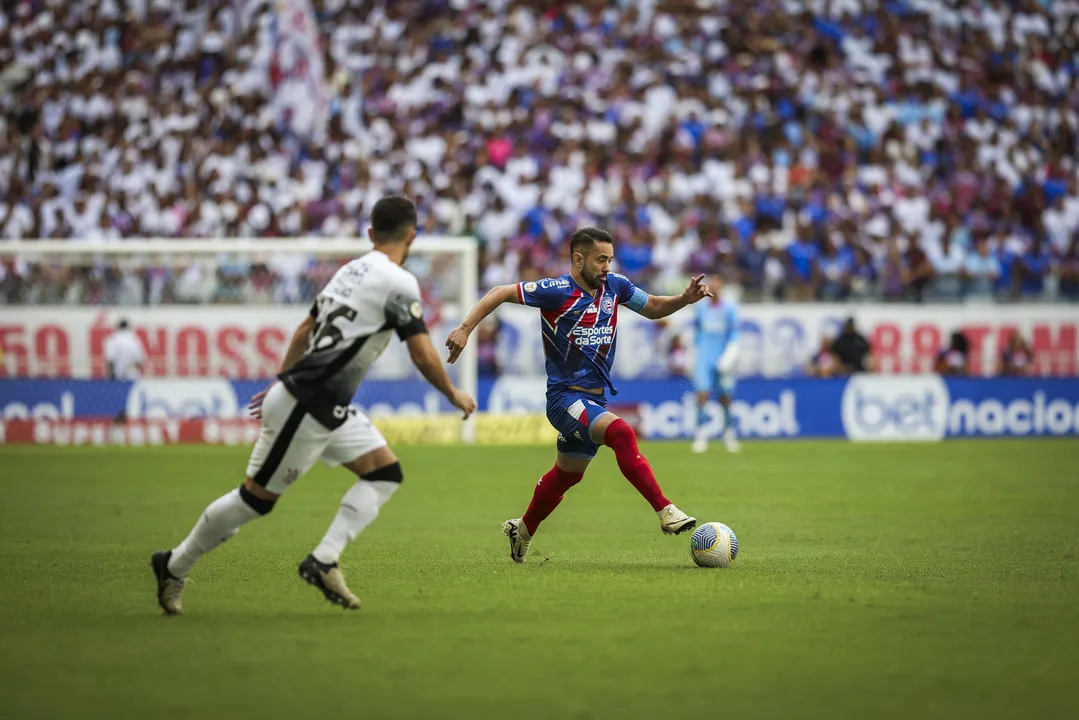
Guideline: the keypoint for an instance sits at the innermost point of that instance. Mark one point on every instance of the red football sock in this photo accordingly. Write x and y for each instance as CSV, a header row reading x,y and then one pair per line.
x,y
548,493
621,438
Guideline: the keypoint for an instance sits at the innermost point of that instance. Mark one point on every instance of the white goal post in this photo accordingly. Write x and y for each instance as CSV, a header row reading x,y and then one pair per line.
x,y
464,250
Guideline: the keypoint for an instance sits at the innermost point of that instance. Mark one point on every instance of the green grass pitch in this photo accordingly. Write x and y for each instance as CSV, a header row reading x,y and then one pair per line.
x,y
873,581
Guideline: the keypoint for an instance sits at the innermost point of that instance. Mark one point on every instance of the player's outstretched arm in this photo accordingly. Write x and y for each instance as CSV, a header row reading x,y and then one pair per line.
x,y
426,359
488,303
660,306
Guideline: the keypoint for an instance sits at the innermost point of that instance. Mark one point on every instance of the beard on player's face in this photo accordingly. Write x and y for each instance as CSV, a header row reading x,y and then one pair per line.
x,y
592,279
595,265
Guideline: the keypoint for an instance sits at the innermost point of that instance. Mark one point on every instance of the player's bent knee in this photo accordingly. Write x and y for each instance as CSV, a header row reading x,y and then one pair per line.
x,y
386,473
619,432
261,505
598,430
371,462
571,465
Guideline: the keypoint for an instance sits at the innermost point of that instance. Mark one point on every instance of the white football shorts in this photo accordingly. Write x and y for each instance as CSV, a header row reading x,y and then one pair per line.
x,y
291,441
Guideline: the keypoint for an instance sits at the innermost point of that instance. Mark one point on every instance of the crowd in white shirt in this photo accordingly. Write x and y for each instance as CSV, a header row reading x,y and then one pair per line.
x,y
818,148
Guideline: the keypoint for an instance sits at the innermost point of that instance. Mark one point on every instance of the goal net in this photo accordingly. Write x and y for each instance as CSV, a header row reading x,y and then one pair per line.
x,y
213,318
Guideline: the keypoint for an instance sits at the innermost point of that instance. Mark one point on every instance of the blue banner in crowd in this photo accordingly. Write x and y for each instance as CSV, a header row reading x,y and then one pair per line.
x,y
863,408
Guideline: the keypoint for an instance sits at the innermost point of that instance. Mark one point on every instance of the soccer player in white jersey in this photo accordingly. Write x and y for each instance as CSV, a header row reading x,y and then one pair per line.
x,y
307,415
718,331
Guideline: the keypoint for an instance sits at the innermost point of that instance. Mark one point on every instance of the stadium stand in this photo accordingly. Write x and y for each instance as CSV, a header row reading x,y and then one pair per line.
x,y
829,149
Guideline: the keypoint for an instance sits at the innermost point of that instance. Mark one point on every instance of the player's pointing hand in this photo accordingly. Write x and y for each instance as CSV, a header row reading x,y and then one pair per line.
x,y
697,290
456,343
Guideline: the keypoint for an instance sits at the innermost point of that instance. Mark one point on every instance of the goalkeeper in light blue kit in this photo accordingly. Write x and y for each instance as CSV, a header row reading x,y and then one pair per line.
x,y
717,324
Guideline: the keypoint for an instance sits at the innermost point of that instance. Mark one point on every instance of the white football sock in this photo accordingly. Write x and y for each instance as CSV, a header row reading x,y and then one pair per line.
x,y
220,521
730,439
728,425
359,508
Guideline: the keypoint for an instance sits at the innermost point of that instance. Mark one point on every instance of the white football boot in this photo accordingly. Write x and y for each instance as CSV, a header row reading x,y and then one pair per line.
x,y
674,522
520,540
329,580
700,442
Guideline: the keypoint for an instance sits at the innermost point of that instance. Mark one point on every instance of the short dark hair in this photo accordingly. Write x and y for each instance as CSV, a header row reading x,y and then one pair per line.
x,y
586,237
392,217
122,325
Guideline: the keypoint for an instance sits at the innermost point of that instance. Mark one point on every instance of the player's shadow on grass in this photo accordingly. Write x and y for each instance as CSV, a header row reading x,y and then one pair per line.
x,y
241,618
614,566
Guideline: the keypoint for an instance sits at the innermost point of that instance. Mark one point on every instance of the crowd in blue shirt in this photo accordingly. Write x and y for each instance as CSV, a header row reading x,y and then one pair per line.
x,y
906,150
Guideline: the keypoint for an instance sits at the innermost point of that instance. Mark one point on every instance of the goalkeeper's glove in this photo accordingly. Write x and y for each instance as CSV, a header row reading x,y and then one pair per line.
x,y
728,359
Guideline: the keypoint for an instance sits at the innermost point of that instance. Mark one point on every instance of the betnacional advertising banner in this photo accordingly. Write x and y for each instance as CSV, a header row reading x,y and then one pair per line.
x,y
864,408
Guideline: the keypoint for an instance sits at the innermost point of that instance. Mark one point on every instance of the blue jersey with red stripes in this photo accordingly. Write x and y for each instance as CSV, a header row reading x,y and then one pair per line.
x,y
578,328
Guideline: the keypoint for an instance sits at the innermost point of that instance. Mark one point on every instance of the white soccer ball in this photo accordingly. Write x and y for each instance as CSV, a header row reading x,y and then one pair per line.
x,y
713,545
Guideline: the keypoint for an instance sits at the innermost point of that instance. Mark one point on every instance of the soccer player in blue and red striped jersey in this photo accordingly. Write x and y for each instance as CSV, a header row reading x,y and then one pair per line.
x,y
579,317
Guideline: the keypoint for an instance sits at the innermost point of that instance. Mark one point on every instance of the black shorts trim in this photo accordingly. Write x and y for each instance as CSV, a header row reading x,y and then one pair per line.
x,y
280,447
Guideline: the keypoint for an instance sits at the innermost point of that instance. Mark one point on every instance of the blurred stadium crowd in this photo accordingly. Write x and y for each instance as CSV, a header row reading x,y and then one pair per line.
x,y
826,149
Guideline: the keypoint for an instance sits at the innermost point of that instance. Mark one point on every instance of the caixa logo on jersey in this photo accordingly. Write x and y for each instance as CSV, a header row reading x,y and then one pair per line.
x,y
177,399
878,408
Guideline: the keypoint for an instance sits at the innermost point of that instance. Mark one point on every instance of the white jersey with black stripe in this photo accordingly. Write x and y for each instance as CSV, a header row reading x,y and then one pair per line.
x,y
355,315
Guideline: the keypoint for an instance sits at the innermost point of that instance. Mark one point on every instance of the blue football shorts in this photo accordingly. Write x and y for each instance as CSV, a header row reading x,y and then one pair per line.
x,y
707,378
573,414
